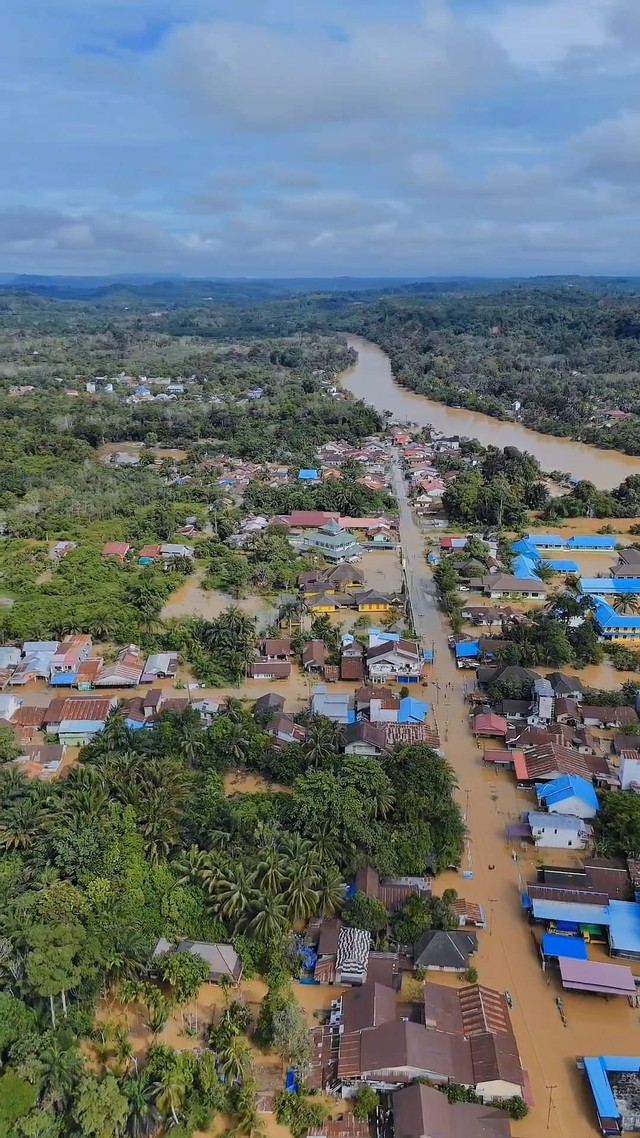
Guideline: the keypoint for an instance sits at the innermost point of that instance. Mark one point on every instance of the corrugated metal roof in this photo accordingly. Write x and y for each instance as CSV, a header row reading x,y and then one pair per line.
x,y
563,911
591,976
624,926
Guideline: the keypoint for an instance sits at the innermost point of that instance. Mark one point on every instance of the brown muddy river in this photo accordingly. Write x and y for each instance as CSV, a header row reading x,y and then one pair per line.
x,y
372,380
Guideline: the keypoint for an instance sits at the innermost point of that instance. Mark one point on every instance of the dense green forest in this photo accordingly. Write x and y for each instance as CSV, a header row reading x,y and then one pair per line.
x,y
567,349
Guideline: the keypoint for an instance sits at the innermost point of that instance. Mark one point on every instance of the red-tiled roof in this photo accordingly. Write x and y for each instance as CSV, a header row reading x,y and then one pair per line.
x,y
488,723
116,549
77,709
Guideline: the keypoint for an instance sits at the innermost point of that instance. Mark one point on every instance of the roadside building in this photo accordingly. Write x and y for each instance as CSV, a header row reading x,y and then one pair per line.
x,y
559,831
445,951
568,794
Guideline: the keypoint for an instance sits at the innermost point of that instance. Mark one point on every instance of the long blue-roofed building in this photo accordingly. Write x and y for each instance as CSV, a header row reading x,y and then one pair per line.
x,y
612,625
614,1081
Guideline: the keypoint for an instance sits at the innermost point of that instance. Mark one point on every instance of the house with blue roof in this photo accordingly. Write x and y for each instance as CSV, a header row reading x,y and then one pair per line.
x,y
467,650
585,543
308,476
568,794
591,543
614,1115
528,561
614,626
561,564
412,710
546,540
609,586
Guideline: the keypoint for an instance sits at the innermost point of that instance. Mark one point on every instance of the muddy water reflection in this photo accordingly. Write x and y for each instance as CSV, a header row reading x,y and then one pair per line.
x,y
371,379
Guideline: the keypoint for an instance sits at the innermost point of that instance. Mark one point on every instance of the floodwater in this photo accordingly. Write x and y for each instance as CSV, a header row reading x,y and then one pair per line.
x,y
192,600
371,379
507,957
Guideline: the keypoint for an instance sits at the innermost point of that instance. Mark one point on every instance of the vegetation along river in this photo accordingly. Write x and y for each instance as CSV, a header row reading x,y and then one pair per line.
x,y
371,379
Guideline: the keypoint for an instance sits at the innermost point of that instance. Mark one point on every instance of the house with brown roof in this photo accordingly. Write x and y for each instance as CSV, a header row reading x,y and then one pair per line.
x,y
409,734
269,669
352,668
364,738
609,716
314,655
277,649
397,1052
124,671
488,725
118,549
540,764
419,1111
282,730
392,892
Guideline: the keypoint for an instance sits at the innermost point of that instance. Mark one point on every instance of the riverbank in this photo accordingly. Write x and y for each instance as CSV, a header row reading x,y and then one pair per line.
x,y
371,379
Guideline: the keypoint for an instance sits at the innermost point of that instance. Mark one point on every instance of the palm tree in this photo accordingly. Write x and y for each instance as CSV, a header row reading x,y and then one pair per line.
x,y
292,611
331,891
234,710
320,743
301,898
191,865
61,1069
238,742
235,1059
235,892
142,1119
22,822
270,918
191,741
170,1090
627,603
269,872
157,1014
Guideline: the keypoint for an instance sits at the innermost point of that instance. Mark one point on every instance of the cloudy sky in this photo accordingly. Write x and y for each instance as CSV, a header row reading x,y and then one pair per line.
x,y
320,137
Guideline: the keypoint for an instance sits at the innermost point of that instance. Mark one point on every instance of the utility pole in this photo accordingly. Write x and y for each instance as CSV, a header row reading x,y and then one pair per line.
x,y
492,901
551,1087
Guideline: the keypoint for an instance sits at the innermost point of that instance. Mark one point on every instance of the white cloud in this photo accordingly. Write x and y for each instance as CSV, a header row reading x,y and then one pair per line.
x,y
263,79
539,34
609,151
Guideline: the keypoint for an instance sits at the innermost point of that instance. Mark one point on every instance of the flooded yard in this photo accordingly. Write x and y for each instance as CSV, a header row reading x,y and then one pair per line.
x,y
192,600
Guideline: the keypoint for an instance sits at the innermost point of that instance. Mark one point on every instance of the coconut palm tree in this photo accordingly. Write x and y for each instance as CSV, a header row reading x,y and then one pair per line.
x,y
157,1013
331,891
191,865
238,742
235,892
61,1069
320,743
300,897
627,603
191,743
170,1090
143,1117
235,1059
234,710
270,917
269,873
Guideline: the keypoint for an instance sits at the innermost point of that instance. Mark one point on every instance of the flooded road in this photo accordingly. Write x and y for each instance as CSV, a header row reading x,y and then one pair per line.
x,y
507,957
371,379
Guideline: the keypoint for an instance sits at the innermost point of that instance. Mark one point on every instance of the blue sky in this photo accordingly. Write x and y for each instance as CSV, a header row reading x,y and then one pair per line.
x,y
317,137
